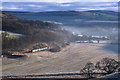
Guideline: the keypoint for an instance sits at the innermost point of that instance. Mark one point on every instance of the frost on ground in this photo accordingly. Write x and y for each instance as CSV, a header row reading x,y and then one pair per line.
x,y
71,59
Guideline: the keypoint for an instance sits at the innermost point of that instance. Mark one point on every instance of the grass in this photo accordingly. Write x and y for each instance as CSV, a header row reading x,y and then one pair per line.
x,y
12,34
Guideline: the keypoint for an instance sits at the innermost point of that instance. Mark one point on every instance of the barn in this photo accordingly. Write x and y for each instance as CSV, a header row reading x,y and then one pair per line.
x,y
40,49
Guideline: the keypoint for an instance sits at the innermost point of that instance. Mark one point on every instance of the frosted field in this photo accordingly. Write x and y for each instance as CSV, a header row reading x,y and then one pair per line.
x,y
12,34
71,59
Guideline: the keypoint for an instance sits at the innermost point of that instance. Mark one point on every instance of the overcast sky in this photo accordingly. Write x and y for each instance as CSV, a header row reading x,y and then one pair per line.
x,y
59,5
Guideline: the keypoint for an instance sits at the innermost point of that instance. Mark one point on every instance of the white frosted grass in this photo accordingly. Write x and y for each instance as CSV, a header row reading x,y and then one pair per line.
x,y
12,34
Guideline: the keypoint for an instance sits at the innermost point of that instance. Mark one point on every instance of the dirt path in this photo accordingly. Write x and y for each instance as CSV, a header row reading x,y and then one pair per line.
x,y
71,59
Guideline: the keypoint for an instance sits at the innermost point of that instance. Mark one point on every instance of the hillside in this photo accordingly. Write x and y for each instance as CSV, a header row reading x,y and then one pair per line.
x,y
14,24
38,28
58,15
99,22
36,34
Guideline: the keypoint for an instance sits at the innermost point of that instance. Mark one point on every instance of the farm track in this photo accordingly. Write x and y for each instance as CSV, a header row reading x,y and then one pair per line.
x,y
59,75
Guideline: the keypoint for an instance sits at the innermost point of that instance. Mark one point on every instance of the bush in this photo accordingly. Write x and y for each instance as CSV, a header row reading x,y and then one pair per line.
x,y
88,70
107,65
55,49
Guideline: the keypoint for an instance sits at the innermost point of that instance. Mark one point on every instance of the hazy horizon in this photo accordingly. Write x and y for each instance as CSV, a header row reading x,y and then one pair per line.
x,y
59,11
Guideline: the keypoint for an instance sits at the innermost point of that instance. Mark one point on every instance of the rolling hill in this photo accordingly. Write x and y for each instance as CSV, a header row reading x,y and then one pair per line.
x,y
35,33
96,22
68,15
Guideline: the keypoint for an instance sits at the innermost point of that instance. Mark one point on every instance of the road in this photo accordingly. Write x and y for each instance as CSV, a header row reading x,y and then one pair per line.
x,y
71,59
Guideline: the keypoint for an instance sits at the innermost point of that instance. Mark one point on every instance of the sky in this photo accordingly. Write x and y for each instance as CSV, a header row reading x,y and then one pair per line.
x,y
60,1
58,5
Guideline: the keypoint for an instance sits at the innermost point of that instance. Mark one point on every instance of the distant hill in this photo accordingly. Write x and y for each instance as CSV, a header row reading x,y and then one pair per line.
x,y
66,15
14,24
95,22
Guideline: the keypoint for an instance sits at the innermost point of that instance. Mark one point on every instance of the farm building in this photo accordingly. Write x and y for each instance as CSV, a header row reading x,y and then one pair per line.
x,y
83,41
41,49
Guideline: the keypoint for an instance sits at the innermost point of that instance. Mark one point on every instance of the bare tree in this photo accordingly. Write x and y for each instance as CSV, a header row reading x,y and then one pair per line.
x,y
88,70
107,65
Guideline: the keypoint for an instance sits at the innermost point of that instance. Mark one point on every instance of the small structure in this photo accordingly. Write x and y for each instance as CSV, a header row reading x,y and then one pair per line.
x,y
94,41
41,49
83,41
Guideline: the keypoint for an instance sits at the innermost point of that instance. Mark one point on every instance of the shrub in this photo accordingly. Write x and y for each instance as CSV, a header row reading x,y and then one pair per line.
x,y
88,70
107,65
55,49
